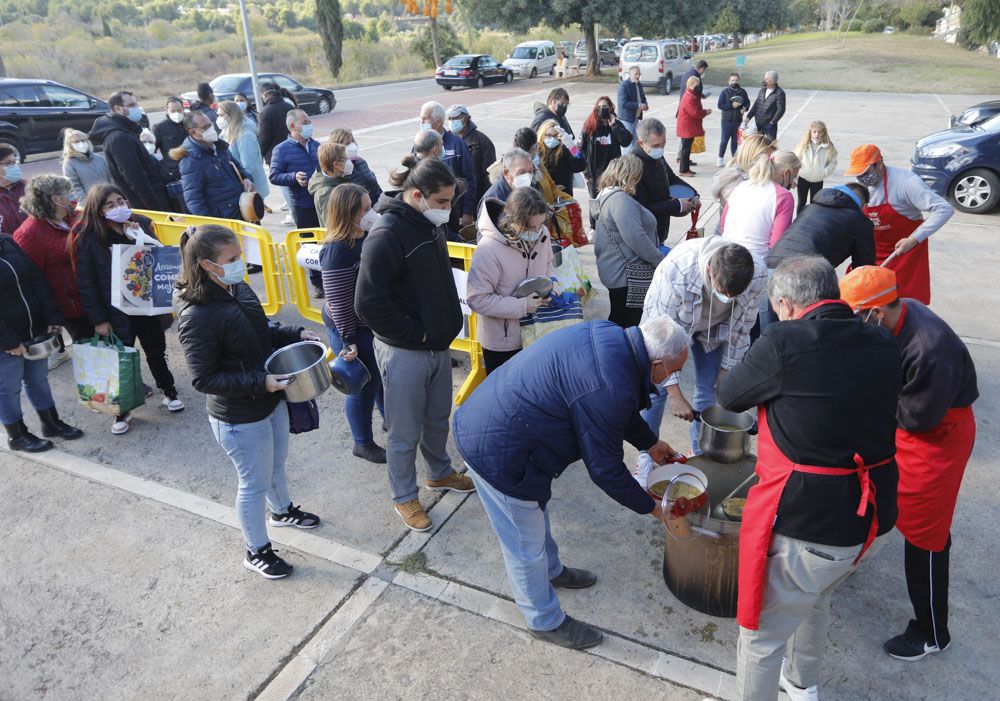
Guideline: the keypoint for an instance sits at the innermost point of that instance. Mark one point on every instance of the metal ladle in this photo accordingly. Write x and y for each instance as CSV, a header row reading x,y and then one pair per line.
x,y
720,513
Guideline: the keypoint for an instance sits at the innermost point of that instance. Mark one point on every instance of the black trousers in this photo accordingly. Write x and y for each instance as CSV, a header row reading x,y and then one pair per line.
x,y
494,359
729,136
685,155
148,331
620,314
308,218
927,584
79,328
805,188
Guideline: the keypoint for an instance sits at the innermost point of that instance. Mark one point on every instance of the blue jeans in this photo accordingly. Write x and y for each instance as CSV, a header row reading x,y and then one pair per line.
x,y
358,407
729,131
34,375
706,373
529,552
630,128
258,450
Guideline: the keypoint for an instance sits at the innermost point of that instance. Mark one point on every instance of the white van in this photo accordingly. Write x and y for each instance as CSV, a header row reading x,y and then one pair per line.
x,y
532,58
663,62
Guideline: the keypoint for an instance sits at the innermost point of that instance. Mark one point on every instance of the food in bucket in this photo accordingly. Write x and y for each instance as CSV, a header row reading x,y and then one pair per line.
x,y
733,508
679,490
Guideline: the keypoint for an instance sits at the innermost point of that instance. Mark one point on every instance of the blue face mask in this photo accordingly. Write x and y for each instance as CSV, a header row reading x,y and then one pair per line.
x,y
551,142
457,125
536,159
306,130
135,113
13,173
242,106
655,153
426,126
232,273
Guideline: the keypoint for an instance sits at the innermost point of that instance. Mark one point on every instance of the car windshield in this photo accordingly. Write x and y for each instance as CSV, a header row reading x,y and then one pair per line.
x,y
459,61
525,52
991,124
227,83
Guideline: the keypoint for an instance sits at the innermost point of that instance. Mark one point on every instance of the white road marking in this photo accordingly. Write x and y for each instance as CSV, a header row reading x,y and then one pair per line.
x,y
796,115
943,106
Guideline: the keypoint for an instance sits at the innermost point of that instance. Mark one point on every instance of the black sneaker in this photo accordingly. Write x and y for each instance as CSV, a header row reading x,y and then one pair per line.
x,y
372,452
571,633
266,563
912,645
572,578
294,516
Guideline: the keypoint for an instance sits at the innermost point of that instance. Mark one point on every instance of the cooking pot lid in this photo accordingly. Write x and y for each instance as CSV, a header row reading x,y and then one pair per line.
x,y
531,285
252,207
348,376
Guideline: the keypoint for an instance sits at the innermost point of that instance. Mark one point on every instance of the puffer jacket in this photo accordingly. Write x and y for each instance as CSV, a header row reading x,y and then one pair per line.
x,y
364,177
27,306
819,161
85,171
483,154
291,157
271,125
832,226
690,115
130,166
211,188
45,244
575,394
226,342
498,265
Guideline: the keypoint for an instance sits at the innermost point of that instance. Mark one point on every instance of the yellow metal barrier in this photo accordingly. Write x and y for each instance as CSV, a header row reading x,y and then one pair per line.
x,y
256,242
281,273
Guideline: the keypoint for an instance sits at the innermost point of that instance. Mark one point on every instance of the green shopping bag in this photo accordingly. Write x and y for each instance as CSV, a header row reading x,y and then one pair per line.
x,y
108,376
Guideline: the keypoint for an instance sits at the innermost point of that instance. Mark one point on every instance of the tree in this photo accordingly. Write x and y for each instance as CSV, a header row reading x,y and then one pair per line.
x,y
980,22
429,9
331,32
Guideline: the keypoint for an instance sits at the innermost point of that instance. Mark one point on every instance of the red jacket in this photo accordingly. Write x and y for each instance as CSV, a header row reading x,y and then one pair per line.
x,y
10,207
689,116
45,244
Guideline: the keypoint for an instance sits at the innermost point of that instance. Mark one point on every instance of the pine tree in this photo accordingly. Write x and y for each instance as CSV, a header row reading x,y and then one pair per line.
x,y
331,32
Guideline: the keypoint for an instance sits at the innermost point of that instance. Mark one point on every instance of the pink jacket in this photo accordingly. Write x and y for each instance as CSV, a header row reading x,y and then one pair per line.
x,y
498,265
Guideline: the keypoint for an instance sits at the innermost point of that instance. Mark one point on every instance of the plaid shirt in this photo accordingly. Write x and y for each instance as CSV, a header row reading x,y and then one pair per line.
x,y
678,291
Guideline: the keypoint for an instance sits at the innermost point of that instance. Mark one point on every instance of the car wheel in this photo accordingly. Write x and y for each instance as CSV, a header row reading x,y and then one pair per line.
x,y
323,106
552,70
976,191
510,76
16,144
480,82
534,72
667,85
446,87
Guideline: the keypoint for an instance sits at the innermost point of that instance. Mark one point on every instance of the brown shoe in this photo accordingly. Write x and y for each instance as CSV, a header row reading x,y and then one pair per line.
x,y
688,174
453,482
413,515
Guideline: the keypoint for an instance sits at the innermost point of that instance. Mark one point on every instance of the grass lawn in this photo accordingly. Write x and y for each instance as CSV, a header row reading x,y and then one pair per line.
x,y
863,62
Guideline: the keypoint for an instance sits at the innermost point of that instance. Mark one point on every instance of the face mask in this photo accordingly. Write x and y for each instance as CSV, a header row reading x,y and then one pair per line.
x,y
734,85
655,153
222,123
725,299
70,204
306,130
561,109
457,125
522,180
175,117
536,159
426,126
604,112
242,105
871,179
437,217
352,151
13,172
150,147
119,215
210,135
551,142
369,220
135,113
348,168
532,235
81,146
231,272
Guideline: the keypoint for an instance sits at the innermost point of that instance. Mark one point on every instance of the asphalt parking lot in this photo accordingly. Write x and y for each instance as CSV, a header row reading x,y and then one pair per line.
x,y
122,573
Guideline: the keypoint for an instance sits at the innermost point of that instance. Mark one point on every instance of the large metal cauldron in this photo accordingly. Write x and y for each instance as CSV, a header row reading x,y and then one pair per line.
x,y
701,554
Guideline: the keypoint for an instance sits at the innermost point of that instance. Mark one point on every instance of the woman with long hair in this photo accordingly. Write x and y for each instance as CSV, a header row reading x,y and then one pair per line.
x,y
80,164
349,218
604,137
235,129
819,161
559,154
107,220
226,338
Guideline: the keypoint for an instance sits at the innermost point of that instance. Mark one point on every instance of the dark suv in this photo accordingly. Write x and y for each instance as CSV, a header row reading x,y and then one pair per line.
x,y
33,114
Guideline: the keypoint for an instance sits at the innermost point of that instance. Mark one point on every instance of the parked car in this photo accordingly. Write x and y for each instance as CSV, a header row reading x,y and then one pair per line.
x,y
531,58
605,48
976,113
963,164
34,113
888,30
312,100
472,71
662,61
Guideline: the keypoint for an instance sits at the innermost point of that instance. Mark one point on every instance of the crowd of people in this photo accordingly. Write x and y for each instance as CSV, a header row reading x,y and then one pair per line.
x,y
860,379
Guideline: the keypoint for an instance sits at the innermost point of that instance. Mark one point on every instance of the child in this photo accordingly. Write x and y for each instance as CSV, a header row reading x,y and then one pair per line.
x,y
819,160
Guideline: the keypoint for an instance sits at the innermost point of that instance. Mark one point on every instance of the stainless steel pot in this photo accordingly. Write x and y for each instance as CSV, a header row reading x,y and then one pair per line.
x,y
306,362
43,346
724,435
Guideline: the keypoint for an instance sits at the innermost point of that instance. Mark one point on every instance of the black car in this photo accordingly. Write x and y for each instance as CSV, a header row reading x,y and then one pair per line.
x,y
472,71
976,114
34,113
312,100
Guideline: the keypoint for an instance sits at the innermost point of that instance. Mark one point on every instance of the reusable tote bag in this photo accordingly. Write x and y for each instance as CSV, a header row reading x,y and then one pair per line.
x,y
108,377
561,311
143,275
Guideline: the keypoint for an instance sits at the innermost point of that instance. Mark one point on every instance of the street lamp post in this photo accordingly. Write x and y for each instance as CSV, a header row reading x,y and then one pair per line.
x,y
253,63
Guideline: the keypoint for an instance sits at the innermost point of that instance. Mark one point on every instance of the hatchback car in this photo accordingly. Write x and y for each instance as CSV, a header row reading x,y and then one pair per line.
x,y
662,61
34,113
963,164
472,71
311,100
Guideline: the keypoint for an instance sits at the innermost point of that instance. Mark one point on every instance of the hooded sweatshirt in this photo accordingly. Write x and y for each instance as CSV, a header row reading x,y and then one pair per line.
x,y
498,264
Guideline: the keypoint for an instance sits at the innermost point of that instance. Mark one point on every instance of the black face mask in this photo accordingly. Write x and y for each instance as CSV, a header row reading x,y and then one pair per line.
x,y
735,86
561,110
604,112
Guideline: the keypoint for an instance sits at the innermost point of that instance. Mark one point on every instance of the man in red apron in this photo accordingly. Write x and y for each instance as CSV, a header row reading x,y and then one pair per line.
x,y
936,433
898,199
825,385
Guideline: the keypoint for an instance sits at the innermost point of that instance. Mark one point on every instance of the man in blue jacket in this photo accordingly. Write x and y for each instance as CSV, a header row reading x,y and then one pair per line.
x,y
456,155
213,180
574,395
733,104
631,103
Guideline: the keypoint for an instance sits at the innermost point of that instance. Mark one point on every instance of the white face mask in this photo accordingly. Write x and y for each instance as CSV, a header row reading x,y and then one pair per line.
x,y
348,167
522,180
150,146
437,217
369,220
222,123
175,117
210,135
352,151
81,146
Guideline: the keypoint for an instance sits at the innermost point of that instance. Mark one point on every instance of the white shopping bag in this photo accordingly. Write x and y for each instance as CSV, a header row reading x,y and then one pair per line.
x,y
143,276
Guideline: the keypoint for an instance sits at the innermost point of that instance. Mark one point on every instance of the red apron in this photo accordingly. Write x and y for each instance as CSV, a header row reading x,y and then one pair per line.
x,y
773,470
913,270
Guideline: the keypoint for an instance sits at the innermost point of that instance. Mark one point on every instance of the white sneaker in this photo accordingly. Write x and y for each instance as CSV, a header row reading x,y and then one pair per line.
x,y
287,221
121,424
284,207
643,466
57,359
720,161
794,692
173,403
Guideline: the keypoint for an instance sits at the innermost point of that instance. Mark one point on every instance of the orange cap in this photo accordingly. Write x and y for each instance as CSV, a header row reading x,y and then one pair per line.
x,y
869,286
862,157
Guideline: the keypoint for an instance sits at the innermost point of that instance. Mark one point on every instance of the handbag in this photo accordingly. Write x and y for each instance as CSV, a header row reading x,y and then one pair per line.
x,y
638,277
698,145
303,416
